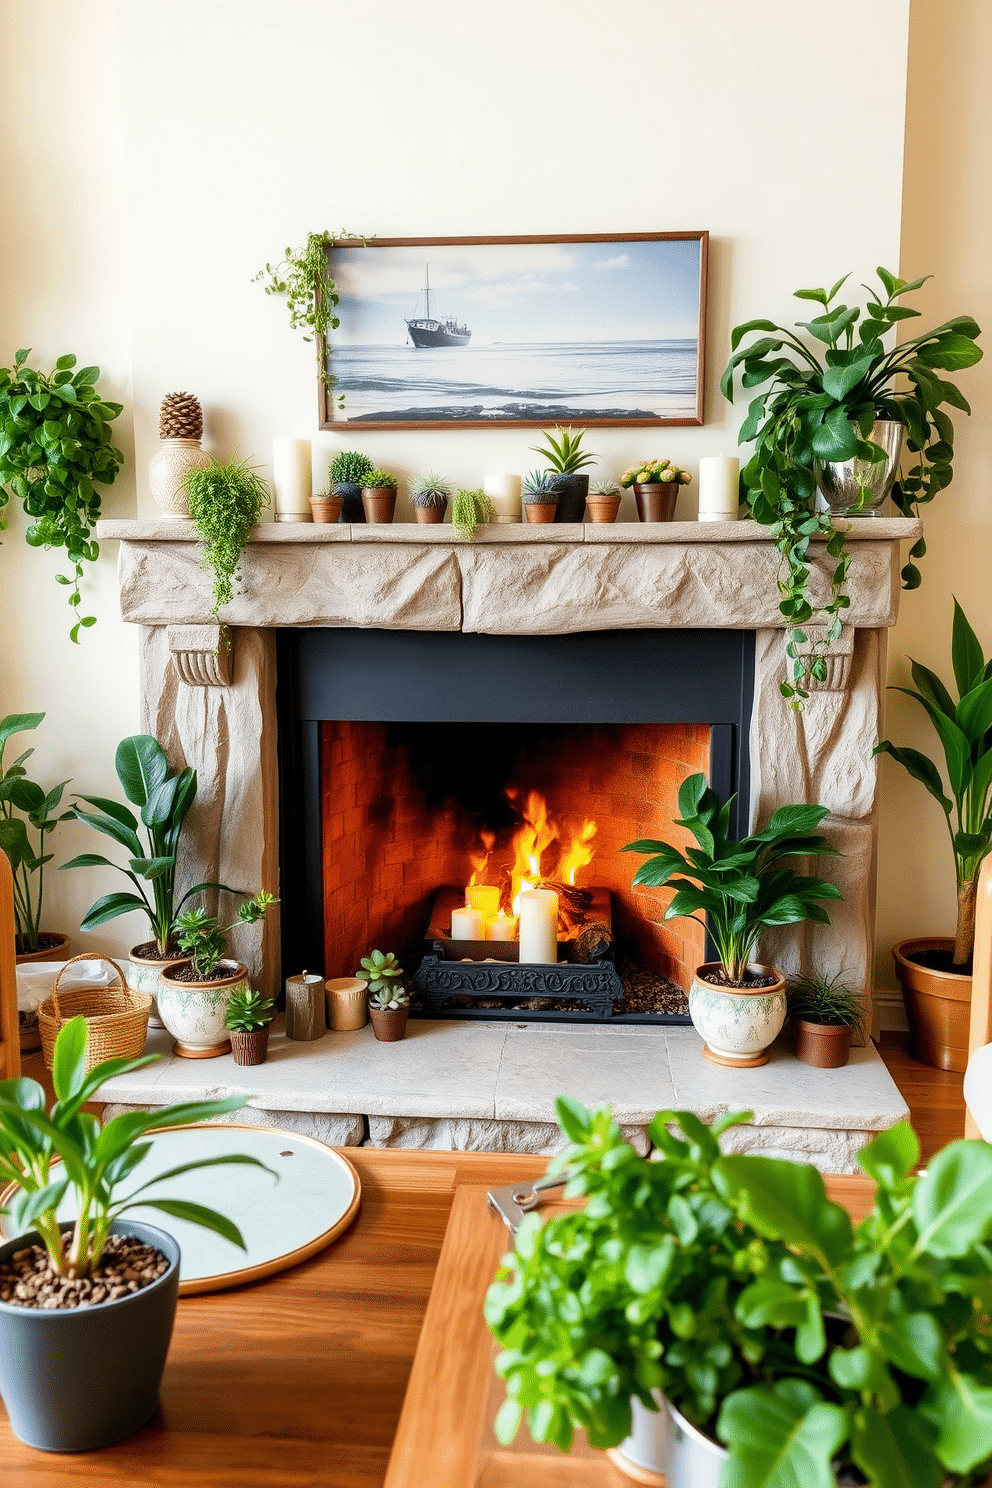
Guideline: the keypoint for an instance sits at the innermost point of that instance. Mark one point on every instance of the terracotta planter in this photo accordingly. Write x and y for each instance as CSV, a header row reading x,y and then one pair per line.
x,y
938,1005
656,502
823,1045
56,952
379,503
195,1013
389,1024
249,1048
602,508
430,514
326,508
738,1026
352,509
540,511
347,1003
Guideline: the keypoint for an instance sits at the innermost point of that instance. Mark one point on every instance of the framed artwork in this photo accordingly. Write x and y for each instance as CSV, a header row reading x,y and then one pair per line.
x,y
476,333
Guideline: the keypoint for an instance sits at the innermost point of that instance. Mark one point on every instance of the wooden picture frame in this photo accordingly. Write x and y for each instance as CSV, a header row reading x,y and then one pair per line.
x,y
597,330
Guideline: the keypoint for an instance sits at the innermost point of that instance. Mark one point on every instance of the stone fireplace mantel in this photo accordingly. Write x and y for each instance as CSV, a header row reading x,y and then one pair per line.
x,y
208,691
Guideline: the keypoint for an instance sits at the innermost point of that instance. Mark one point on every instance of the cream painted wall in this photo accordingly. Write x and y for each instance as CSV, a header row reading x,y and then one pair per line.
x,y
244,124
947,227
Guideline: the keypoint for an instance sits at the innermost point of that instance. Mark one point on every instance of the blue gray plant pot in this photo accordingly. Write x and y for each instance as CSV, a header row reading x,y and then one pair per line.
x,y
572,492
352,509
77,1378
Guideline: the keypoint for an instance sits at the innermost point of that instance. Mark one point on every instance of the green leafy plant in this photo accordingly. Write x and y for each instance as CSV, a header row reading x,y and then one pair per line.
x,y
381,479
653,472
469,510
565,454
304,276
164,801
248,1010
430,490
55,448
964,729
827,1000
807,1345
744,887
821,406
204,941
350,468
225,502
25,804
538,488
383,973
94,1161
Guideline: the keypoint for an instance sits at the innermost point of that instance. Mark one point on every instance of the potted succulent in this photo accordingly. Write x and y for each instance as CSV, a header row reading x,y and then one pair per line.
x,y
163,800
802,1348
225,502
603,501
325,506
23,805
540,496
389,1002
656,487
429,494
56,448
379,496
249,1018
194,994
825,413
469,510
349,472
567,460
738,1006
935,972
825,1015
90,1302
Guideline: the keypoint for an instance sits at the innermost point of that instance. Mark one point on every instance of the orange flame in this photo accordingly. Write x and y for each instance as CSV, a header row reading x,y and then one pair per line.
x,y
578,854
531,861
480,861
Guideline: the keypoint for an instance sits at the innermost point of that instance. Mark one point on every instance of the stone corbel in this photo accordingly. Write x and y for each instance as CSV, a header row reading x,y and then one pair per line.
x,y
203,655
838,655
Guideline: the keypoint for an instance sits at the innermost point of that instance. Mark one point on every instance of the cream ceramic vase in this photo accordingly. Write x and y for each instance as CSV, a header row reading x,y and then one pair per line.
x,y
166,469
145,976
195,1013
738,1026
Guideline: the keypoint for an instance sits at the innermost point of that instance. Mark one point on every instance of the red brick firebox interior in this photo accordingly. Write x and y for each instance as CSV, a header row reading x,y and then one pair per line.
x,y
403,806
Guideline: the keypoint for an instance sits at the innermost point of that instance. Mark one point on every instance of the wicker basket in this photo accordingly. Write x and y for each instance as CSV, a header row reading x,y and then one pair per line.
x,y
116,1017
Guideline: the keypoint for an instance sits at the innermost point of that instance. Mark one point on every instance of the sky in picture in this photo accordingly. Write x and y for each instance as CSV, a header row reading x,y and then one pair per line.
x,y
521,292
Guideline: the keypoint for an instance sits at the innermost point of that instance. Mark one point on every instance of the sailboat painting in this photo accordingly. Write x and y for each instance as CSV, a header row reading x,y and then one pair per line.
x,y
482,332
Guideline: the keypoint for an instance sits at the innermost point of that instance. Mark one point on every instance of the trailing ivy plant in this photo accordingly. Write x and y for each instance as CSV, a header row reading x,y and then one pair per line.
x,y
304,276
821,405
225,502
55,448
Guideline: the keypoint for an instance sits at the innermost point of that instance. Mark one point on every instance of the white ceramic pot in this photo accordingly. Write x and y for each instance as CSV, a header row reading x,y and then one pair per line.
x,y
195,1013
738,1026
144,975
693,1460
643,1456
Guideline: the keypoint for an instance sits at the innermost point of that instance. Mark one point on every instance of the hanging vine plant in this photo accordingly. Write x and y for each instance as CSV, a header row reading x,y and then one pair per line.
x,y
55,447
225,502
304,276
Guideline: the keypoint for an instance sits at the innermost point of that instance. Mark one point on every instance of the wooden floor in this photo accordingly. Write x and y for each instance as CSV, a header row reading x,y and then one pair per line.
x,y
934,1097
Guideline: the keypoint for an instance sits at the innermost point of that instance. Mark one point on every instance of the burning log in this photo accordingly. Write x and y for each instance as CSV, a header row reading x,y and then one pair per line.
x,y
593,944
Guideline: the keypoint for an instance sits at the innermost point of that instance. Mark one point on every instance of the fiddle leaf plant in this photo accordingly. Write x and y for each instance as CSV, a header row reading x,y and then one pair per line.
x,y
744,887
55,449
818,403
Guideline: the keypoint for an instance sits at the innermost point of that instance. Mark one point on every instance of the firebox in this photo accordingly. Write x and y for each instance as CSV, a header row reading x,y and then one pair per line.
x,y
416,766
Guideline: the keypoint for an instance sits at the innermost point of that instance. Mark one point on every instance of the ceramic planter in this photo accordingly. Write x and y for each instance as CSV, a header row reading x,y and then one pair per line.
x,y
168,467
696,1461
249,1048
938,1004
347,1003
602,508
326,508
428,515
195,1013
822,1045
572,491
656,502
77,1378
352,509
389,1024
540,511
379,503
56,952
144,975
643,1455
738,1026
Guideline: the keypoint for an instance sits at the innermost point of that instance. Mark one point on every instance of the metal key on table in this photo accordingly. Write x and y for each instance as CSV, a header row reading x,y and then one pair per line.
x,y
515,1200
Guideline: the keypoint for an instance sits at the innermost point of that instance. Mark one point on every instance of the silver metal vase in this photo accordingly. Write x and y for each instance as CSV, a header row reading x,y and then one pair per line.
x,y
857,488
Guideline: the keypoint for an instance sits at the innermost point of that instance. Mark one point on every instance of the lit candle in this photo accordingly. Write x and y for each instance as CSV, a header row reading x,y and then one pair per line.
x,y
539,926
468,924
291,477
501,927
483,897
503,491
719,495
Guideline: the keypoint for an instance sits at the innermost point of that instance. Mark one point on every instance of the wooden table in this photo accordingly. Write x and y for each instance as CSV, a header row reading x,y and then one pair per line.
x,y
299,1381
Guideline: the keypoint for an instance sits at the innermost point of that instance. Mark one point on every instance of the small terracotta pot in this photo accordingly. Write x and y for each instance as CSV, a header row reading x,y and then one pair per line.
x,y
430,514
55,952
540,511
326,508
938,1005
656,502
250,1048
389,1024
602,508
379,503
823,1045
347,1003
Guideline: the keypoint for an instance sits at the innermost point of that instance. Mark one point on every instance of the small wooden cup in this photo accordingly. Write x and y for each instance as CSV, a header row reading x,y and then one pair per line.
x,y
347,1003
305,1007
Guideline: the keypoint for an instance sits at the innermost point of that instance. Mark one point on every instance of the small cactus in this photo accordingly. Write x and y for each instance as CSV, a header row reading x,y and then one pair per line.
x,y
430,490
604,488
379,480
351,468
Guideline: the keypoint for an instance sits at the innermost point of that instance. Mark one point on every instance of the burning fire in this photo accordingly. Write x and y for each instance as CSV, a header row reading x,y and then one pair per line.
x,y
533,861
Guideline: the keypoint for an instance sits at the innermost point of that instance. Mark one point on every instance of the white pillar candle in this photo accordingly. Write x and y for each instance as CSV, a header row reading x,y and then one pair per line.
x,y
718,488
291,477
501,927
503,490
468,924
539,926
483,897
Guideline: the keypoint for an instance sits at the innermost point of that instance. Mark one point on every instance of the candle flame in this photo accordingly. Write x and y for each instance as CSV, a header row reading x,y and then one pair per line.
x,y
533,858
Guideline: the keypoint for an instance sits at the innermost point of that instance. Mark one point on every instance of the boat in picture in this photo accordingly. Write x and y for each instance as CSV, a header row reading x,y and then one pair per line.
x,y
431,330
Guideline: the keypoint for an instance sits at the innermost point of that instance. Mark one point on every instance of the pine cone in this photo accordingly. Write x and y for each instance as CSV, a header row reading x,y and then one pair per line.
x,y
180,417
